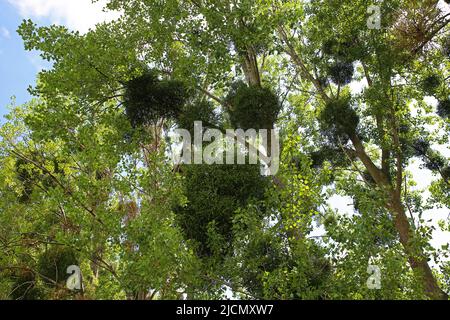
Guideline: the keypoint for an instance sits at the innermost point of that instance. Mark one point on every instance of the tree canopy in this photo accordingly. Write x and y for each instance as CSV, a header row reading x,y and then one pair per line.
x,y
86,177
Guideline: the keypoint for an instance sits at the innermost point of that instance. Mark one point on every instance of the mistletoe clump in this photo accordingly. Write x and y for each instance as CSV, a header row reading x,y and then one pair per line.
x,y
53,264
200,111
341,73
27,177
30,175
214,193
338,121
430,84
252,107
330,47
443,108
148,99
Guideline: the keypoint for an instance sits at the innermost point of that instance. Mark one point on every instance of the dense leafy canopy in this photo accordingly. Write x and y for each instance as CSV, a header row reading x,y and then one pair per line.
x,y
86,177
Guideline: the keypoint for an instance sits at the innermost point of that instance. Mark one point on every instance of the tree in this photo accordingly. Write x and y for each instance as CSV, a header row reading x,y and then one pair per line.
x,y
84,166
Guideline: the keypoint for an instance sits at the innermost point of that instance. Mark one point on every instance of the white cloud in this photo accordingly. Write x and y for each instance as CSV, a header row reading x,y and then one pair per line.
x,y
75,14
5,33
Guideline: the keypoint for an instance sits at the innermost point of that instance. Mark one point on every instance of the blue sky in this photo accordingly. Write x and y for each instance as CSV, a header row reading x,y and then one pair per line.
x,y
18,68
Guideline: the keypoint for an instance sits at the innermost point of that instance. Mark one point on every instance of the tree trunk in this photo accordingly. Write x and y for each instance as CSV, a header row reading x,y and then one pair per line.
x,y
416,257
250,67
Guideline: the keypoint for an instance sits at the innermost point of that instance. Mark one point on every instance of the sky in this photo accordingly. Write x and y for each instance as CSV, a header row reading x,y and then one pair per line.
x,y
18,69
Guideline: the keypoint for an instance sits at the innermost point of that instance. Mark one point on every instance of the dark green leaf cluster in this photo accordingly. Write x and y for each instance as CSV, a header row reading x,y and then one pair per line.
x,y
368,178
27,179
430,84
434,161
330,47
420,147
198,111
24,286
304,274
446,47
338,121
443,108
252,107
53,264
261,255
342,50
30,175
323,81
446,173
334,155
214,193
341,73
148,99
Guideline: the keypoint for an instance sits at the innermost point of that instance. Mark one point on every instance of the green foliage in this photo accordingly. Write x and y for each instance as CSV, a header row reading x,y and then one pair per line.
x,y
341,73
148,99
443,108
26,178
420,147
214,193
306,279
76,168
252,107
446,47
53,264
434,161
24,286
197,111
260,255
330,47
446,173
32,176
338,121
328,153
431,83
270,264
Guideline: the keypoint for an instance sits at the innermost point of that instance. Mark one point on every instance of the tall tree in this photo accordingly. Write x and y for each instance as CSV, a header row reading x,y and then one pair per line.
x,y
84,166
